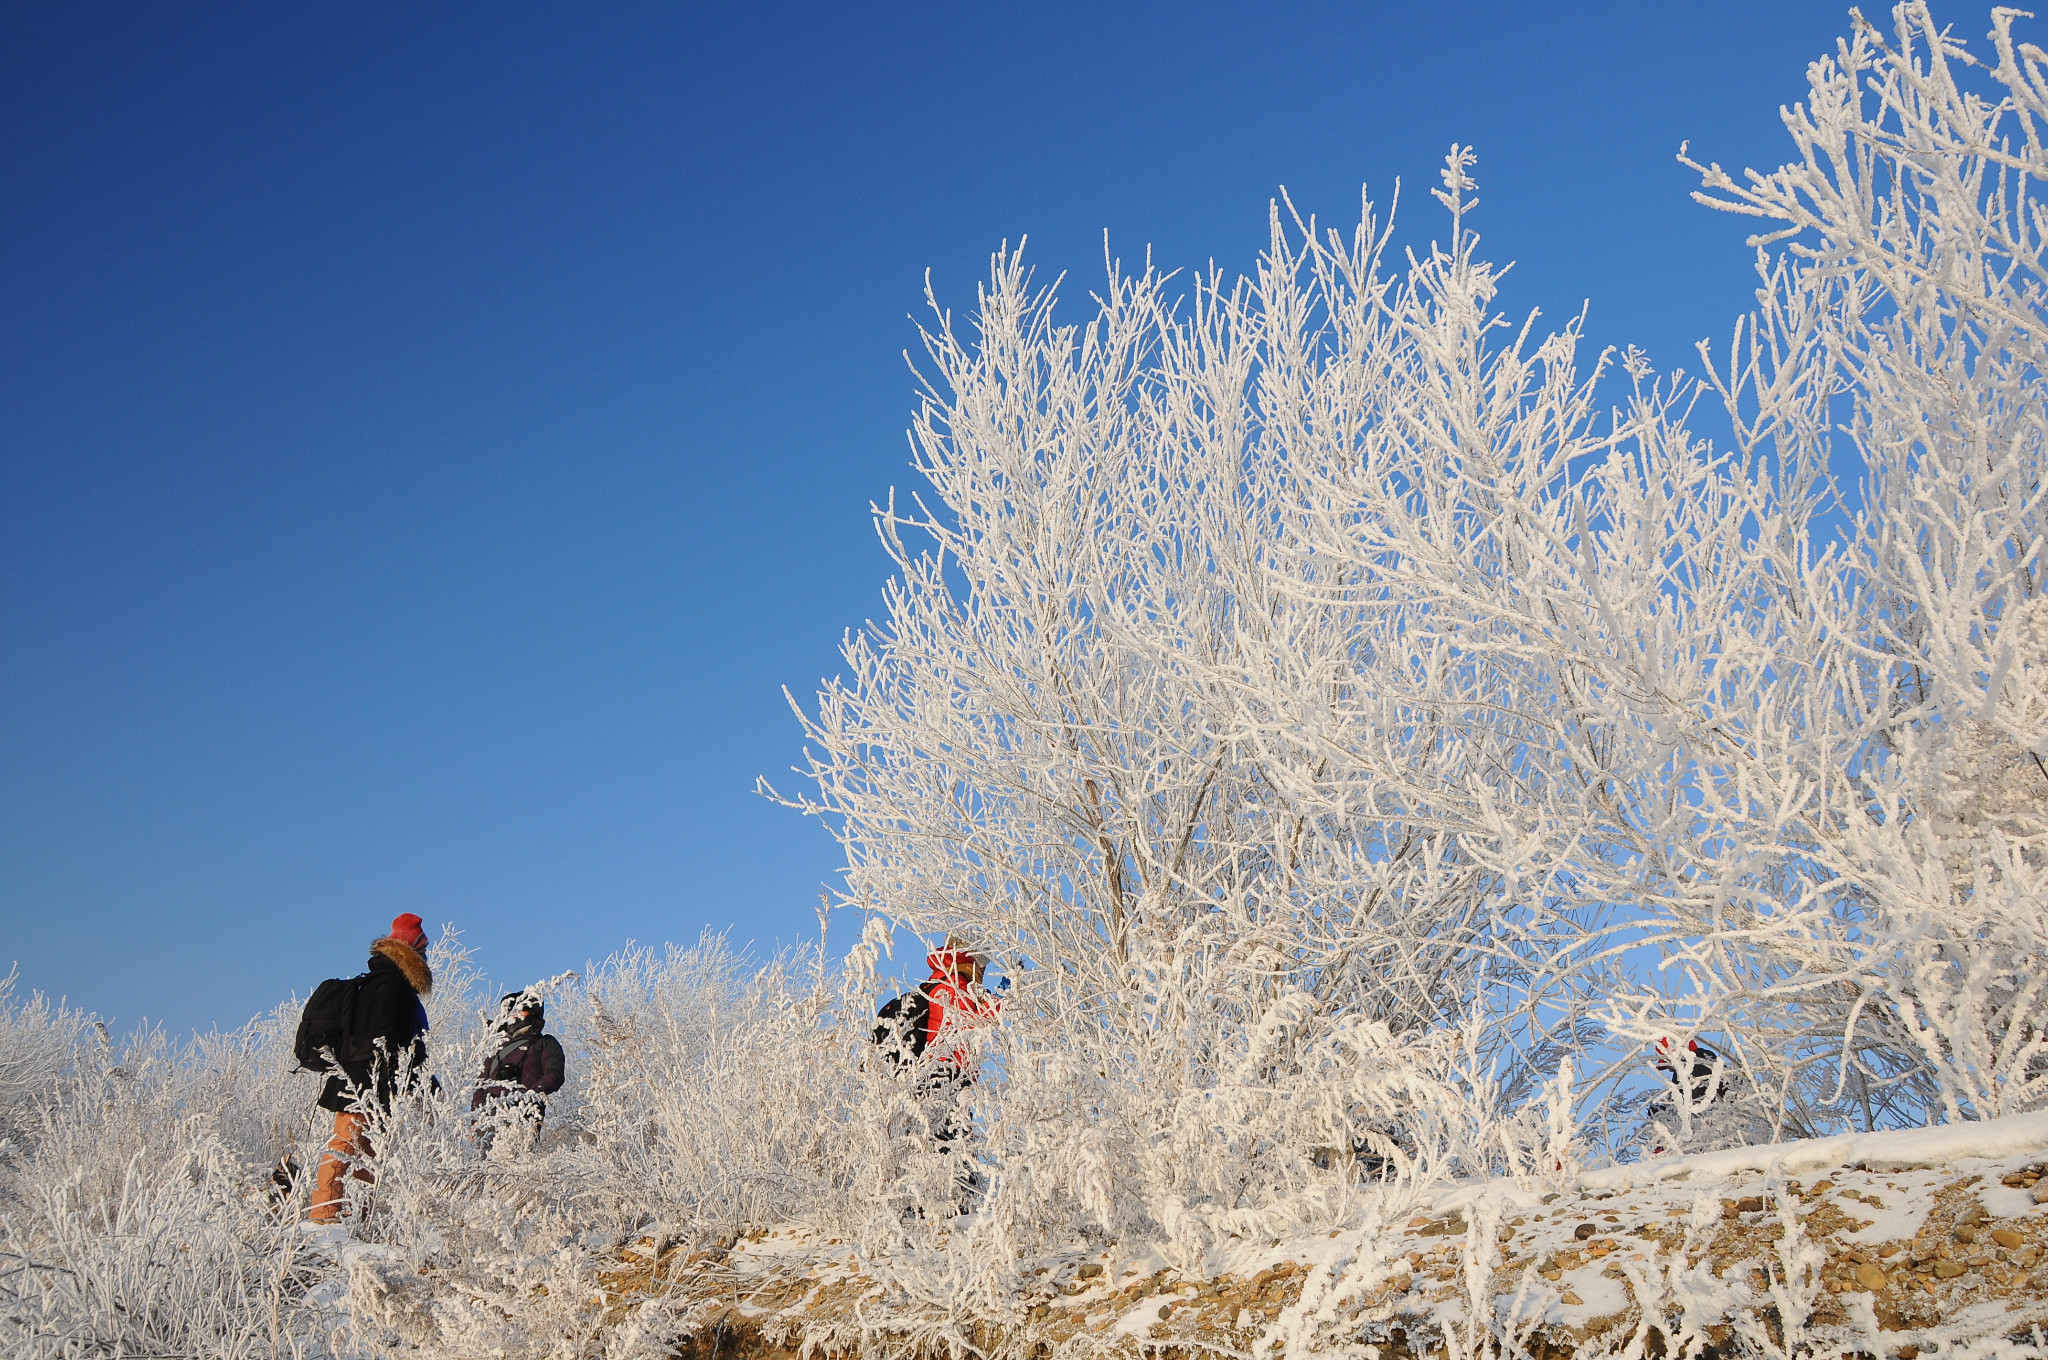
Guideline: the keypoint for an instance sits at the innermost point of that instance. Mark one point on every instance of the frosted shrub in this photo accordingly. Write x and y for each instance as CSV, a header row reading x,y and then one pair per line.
x,y
178,1262
39,1045
148,1203
716,1093
136,1216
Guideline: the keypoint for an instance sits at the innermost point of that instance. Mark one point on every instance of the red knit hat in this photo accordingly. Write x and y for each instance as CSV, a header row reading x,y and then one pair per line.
x,y
407,929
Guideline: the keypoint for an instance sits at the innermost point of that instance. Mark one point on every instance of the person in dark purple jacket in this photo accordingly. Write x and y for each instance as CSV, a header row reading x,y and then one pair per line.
x,y
513,1088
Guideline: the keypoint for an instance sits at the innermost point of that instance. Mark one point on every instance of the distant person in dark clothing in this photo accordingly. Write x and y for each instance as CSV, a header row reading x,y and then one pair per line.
x,y
1692,1106
1704,1074
385,1049
518,1077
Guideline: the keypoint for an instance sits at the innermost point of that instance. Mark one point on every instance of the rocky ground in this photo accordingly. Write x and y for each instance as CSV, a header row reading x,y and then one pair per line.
x,y
1885,1245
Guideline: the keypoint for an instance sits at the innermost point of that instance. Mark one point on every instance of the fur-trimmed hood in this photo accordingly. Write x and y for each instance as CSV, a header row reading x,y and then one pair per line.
x,y
410,962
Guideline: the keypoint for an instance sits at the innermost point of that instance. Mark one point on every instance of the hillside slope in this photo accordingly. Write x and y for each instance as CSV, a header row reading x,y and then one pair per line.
x,y
1899,1244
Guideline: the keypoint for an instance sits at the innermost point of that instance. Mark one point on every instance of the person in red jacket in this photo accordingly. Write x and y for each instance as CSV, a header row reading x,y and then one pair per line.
x,y
957,1002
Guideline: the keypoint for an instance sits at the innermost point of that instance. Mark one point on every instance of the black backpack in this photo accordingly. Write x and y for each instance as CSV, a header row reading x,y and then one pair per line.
x,y
328,1026
901,1033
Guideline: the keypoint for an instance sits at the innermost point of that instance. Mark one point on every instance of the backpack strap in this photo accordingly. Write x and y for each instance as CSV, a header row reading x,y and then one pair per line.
x,y
494,1070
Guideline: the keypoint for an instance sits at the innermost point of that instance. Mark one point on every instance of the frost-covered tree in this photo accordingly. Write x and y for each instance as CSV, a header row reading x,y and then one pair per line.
x,y
1886,789
1311,651
1274,677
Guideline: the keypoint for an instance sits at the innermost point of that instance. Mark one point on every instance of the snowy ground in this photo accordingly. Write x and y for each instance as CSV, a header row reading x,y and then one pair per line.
x,y
1900,1244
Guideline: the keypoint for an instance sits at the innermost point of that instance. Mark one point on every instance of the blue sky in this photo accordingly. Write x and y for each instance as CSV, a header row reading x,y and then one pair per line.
x,y
430,437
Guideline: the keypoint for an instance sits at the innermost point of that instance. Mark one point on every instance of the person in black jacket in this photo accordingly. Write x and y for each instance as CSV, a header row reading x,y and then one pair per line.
x,y
387,1011
518,1077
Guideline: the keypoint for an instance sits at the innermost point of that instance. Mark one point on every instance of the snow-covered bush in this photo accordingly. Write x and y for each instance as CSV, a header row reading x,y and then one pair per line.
x,y
688,1047
39,1044
136,1212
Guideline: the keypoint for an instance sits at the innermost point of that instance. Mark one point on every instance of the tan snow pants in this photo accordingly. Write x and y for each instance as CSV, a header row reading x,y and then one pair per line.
x,y
347,1153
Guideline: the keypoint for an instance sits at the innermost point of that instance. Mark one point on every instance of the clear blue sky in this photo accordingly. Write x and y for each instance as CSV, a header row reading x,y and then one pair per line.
x,y
431,436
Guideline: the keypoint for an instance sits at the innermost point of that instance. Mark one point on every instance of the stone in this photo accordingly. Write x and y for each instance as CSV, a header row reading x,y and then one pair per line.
x,y
1947,1270
1750,1204
2039,1194
1584,1231
1089,1271
2006,1237
1870,1277
1570,1299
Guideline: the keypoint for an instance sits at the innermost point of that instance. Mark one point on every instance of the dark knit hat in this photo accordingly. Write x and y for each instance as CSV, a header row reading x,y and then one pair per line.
x,y
519,1009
